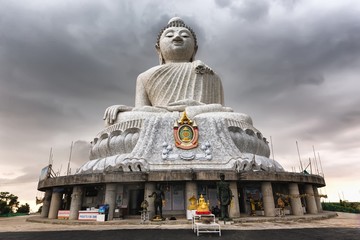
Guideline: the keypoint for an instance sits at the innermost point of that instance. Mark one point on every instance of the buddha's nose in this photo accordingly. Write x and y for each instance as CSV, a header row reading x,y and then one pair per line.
x,y
177,37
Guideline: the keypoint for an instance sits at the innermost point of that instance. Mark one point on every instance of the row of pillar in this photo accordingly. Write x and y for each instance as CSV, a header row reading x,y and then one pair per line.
x,y
313,204
52,199
52,202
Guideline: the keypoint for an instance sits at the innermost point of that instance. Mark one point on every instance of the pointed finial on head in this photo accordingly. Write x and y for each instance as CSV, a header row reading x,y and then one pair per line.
x,y
175,19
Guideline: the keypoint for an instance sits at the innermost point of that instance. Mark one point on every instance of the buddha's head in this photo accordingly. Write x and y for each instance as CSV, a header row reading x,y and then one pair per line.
x,y
176,42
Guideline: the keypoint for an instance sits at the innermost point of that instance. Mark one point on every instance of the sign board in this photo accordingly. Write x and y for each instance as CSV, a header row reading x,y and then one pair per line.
x,y
63,214
100,218
45,172
88,215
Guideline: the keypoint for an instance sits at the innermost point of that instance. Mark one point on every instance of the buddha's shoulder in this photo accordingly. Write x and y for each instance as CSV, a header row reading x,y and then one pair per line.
x,y
148,73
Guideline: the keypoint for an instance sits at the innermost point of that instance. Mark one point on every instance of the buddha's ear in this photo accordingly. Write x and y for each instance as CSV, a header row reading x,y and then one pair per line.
x,y
193,56
161,59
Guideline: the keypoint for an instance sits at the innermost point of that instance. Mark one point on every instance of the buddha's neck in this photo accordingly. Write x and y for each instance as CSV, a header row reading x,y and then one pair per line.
x,y
176,61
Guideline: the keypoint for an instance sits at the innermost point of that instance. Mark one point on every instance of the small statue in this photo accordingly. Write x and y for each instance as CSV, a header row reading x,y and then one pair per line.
x,y
224,196
281,205
203,207
252,206
192,205
158,202
144,205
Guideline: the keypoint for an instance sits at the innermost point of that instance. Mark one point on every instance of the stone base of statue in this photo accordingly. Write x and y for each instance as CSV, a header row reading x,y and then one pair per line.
x,y
144,140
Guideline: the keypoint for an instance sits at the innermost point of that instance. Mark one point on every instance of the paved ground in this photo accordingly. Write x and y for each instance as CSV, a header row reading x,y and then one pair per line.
x,y
167,234
344,226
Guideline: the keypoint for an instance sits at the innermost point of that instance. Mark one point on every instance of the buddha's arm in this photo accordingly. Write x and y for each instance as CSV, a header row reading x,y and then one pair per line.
x,y
218,90
221,93
141,97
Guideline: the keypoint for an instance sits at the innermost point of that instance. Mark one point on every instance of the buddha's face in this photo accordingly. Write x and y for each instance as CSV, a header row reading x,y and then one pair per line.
x,y
177,45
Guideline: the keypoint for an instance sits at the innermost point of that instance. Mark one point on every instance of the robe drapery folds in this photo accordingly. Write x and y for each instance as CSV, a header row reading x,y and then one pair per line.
x,y
175,82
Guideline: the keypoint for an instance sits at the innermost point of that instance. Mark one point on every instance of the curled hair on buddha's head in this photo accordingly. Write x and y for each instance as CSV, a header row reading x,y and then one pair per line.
x,y
176,22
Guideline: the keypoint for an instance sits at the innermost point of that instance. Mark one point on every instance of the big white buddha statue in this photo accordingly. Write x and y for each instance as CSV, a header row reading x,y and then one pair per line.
x,y
181,90
179,81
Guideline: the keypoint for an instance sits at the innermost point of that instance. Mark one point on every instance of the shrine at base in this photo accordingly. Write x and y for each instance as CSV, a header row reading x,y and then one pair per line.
x,y
179,136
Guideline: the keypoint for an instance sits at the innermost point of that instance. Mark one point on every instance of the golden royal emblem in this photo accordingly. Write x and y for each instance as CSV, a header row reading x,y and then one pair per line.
x,y
186,133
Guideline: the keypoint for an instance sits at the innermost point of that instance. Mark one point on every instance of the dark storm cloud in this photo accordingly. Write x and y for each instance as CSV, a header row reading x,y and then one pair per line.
x,y
290,60
80,153
223,3
326,40
55,60
47,51
252,10
30,174
247,10
275,60
351,117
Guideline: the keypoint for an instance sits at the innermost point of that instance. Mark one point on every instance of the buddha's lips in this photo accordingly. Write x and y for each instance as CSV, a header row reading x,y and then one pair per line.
x,y
178,42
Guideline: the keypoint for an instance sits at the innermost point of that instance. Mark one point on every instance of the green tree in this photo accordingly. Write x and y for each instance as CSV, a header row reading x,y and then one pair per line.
x,y
4,208
24,208
8,203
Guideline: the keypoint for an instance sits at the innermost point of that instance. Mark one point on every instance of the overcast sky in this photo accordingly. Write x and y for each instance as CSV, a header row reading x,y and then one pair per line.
x,y
293,66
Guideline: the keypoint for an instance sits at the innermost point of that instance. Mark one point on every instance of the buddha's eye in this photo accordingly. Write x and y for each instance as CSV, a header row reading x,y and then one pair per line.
x,y
169,34
185,34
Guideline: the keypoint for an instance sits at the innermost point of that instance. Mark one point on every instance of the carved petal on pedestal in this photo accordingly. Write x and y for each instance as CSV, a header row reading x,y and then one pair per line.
x,y
247,141
119,142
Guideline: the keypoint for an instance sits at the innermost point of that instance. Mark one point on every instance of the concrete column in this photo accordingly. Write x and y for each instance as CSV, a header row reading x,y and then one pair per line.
x,y
310,199
268,199
46,204
76,200
317,199
190,190
119,201
295,201
55,204
149,189
110,199
234,211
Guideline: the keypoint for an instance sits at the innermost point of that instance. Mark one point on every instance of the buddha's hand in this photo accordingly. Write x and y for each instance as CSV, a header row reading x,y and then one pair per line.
x,y
202,68
111,113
